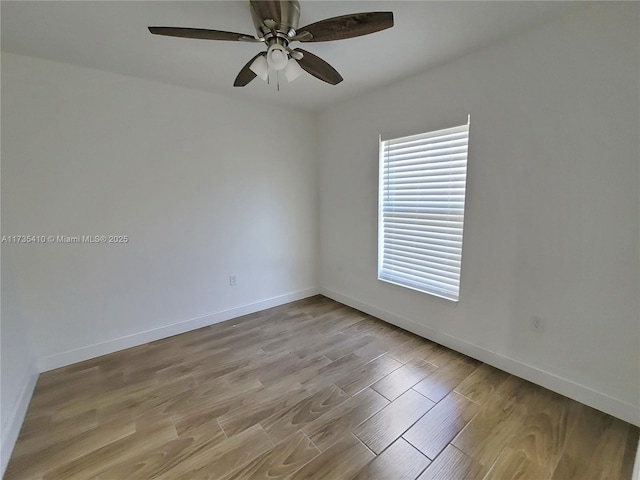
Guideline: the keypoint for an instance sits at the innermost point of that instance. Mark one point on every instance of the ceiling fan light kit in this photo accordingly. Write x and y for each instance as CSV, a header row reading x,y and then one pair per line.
x,y
260,67
277,57
293,70
276,24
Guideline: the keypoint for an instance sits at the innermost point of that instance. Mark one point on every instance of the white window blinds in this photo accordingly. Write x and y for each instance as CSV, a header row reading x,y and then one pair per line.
x,y
421,210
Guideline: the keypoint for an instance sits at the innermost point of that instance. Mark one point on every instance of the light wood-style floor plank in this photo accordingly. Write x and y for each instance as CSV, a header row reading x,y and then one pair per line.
x,y
400,461
481,384
343,460
101,459
535,449
315,390
438,384
223,458
496,423
339,422
67,449
281,461
433,432
361,378
405,377
282,424
388,424
453,464
263,405
596,447
193,437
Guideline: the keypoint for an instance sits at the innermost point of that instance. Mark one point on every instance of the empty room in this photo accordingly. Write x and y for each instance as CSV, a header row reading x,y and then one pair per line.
x,y
280,239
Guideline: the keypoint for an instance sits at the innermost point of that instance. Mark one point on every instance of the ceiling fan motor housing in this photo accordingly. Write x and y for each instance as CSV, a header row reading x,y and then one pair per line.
x,y
280,16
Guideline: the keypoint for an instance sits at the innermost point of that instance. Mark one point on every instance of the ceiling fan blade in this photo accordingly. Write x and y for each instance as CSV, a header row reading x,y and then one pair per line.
x,y
202,34
346,26
318,67
246,74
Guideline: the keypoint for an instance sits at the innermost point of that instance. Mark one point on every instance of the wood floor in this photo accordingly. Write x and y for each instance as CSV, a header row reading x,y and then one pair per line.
x,y
314,390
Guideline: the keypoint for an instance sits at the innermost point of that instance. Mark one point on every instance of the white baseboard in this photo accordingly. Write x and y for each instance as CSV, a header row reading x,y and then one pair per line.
x,y
581,393
16,417
91,351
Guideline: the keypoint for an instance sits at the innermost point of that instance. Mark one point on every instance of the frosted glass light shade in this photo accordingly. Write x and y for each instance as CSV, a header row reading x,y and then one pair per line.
x,y
277,56
292,70
260,67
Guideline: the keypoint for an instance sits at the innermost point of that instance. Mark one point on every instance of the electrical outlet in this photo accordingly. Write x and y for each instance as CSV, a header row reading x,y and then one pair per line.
x,y
537,324
232,281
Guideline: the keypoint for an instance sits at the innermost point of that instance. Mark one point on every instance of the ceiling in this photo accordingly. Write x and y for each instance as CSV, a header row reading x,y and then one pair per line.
x,y
113,36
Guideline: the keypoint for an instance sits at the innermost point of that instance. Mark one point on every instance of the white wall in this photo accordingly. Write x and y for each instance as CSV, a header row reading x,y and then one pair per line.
x,y
199,183
18,373
552,211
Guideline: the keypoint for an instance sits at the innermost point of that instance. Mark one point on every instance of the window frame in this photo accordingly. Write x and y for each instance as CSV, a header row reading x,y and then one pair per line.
x,y
443,289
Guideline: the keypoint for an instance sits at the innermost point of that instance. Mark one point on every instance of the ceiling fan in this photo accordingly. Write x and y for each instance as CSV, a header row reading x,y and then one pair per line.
x,y
276,23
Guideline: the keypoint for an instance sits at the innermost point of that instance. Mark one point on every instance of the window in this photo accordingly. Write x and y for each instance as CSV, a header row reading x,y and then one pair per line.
x,y
421,210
